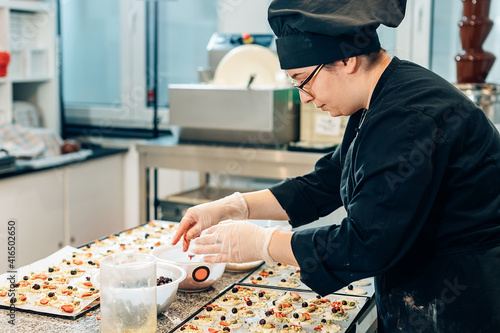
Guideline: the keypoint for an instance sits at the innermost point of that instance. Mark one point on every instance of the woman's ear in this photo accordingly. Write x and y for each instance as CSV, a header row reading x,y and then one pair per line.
x,y
351,65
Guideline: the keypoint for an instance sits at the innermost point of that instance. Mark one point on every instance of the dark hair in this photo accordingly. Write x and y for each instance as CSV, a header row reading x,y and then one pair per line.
x,y
371,59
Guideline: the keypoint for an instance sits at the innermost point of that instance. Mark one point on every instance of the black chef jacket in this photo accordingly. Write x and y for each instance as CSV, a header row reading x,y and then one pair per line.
x,y
419,176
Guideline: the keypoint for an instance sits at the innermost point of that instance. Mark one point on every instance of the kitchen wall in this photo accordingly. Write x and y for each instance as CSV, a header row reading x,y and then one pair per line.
x,y
236,16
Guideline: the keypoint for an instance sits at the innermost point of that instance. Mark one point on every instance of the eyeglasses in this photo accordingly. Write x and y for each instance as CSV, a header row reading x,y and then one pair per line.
x,y
300,86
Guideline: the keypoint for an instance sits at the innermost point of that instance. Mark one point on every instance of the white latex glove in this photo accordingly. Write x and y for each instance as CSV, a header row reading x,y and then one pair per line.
x,y
235,242
201,217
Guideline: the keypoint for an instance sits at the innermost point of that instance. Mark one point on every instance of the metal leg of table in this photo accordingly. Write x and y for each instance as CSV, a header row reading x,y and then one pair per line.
x,y
367,323
143,190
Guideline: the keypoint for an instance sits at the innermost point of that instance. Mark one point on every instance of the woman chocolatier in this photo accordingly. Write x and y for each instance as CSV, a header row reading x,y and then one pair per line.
x,y
418,172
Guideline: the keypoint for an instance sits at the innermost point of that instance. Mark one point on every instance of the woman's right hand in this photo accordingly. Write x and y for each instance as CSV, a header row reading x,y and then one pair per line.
x,y
201,217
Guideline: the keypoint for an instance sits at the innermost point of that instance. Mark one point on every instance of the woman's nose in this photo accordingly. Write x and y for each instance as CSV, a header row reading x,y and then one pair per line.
x,y
305,98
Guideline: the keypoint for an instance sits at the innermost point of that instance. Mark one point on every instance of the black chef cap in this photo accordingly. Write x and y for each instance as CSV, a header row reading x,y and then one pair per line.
x,y
313,32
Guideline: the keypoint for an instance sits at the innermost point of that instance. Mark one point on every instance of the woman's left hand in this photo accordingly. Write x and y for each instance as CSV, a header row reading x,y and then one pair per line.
x,y
234,242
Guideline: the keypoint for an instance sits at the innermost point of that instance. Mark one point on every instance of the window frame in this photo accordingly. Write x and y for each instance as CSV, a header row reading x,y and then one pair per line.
x,y
133,112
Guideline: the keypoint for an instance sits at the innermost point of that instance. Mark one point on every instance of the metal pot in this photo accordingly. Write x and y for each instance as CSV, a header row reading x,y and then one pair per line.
x,y
486,96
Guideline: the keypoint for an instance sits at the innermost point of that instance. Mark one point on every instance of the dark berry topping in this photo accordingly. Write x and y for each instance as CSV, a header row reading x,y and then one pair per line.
x,y
36,286
350,287
261,294
51,270
234,310
163,280
295,315
305,305
25,278
234,290
262,321
249,303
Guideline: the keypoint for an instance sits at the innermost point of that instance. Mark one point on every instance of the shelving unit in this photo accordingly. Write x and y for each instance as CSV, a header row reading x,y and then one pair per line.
x,y
28,33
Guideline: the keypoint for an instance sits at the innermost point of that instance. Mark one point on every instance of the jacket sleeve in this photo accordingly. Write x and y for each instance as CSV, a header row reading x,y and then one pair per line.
x,y
397,163
316,194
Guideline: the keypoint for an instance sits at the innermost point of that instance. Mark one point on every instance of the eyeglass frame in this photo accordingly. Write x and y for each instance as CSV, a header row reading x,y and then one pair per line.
x,y
300,86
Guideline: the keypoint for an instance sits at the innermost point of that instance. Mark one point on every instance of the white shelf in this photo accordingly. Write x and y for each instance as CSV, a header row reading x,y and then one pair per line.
x,y
25,79
26,5
30,79
32,71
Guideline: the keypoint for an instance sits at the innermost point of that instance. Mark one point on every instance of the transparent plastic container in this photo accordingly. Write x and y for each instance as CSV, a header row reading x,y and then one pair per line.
x,y
128,293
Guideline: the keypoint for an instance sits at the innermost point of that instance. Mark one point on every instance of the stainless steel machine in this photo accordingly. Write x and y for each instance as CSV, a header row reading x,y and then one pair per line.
x,y
486,96
265,114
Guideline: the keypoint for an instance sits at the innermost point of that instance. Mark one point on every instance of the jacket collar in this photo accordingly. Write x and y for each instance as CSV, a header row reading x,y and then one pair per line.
x,y
395,62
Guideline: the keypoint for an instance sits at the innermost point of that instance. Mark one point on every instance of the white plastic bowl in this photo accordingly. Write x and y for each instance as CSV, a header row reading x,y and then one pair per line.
x,y
248,266
166,293
284,225
200,275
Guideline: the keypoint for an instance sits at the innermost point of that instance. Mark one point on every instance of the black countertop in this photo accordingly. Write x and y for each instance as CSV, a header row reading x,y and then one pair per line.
x,y
97,152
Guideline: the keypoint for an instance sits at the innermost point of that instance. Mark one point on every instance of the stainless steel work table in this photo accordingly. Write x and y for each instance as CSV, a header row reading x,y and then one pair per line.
x,y
241,160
